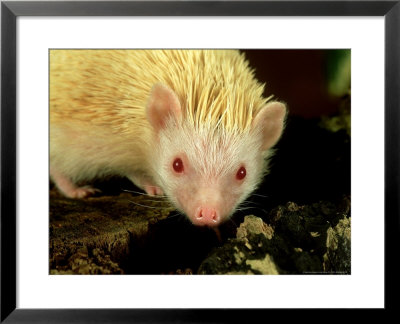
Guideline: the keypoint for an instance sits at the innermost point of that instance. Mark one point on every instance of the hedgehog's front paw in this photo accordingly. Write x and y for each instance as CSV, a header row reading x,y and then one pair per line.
x,y
146,183
153,190
82,192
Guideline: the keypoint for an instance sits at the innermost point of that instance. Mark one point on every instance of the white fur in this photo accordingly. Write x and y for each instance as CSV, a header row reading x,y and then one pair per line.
x,y
212,156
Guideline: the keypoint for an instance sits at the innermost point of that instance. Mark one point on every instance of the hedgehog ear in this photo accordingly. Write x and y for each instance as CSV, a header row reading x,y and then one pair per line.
x,y
163,103
270,119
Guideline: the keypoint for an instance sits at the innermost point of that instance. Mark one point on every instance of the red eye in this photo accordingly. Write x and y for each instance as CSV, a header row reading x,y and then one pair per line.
x,y
178,165
241,174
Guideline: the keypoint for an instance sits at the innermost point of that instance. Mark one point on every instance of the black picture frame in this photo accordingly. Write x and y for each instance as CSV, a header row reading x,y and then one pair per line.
x,y
10,10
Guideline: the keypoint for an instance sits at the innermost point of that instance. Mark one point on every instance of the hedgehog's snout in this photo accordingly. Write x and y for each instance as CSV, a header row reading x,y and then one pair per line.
x,y
207,216
203,206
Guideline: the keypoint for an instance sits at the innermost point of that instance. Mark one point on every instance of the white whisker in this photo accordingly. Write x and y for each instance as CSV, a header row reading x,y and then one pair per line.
x,y
258,195
143,193
146,206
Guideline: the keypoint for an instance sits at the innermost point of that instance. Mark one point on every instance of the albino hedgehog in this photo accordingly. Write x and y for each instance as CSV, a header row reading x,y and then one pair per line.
x,y
189,124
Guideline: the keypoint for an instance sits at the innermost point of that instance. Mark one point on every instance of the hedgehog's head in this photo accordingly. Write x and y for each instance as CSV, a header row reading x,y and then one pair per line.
x,y
206,169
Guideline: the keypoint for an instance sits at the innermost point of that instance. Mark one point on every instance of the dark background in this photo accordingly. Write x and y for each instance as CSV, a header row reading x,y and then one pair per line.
x,y
297,77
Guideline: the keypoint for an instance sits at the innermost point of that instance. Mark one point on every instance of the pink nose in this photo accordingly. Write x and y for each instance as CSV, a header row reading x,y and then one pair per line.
x,y
207,216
